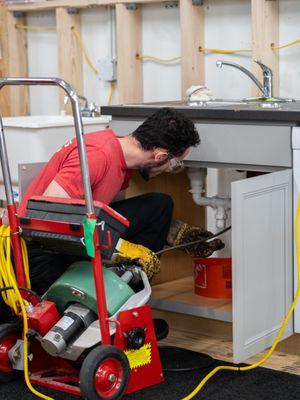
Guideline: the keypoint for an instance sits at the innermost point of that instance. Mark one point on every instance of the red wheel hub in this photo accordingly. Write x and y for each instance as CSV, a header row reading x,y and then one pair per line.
x,y
5,345
108,377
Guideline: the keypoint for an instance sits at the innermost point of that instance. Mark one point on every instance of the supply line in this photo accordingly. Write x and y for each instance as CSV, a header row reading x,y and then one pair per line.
x,y
89,62
73,29
180,246
221,51
13,297
35,28
82,48
157,59
280,332
273,47
111,92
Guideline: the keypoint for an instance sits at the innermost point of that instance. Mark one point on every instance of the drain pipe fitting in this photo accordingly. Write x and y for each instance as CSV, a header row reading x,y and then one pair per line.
x,y
220,204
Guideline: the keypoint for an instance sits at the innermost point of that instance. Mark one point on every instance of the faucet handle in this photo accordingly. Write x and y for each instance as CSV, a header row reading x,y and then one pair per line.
x,y
264,67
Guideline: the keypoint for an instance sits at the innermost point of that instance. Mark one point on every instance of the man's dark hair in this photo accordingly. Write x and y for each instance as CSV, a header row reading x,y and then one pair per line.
x,y
169,129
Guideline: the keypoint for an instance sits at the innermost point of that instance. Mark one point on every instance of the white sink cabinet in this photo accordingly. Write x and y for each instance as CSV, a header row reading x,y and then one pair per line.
x,y
262,231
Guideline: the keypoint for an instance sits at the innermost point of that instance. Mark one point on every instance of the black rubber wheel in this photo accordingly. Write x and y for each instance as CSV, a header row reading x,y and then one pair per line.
x,y
9,333
104,374
161,328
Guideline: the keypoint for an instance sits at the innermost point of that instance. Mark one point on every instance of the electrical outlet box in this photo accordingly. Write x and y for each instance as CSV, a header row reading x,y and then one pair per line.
x,y
107,69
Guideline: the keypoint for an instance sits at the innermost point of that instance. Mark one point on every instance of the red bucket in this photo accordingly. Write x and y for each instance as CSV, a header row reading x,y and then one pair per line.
x,y
213,277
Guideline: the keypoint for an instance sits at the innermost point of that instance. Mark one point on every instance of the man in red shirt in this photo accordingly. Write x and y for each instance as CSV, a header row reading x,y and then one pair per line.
x,y
161,142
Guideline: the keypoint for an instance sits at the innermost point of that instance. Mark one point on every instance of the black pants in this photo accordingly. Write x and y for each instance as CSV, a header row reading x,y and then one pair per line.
x,y
150,217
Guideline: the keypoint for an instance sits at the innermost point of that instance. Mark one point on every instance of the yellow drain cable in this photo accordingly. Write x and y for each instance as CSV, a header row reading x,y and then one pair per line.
x,y
13,297
280,332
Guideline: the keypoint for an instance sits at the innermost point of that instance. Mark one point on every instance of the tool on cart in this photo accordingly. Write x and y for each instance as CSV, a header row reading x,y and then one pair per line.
x,y
92,333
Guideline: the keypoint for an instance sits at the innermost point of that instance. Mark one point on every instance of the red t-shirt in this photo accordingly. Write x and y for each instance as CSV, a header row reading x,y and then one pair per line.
x,y
108,170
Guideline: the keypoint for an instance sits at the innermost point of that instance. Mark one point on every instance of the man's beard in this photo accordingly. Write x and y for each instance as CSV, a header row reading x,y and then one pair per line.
x,y
146,169
145,172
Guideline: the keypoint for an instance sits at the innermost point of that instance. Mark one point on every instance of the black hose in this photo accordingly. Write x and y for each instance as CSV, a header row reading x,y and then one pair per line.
x,y
180,246
37,296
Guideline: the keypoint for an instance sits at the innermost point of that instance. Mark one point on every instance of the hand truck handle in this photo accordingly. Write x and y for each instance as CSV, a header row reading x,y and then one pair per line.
x,y
79,134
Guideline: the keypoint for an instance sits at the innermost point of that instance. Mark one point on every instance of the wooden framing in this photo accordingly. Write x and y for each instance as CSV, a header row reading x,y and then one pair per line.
x,y
16,63
129,46
50,5
192,37
69,53
4,94
265,21
265,31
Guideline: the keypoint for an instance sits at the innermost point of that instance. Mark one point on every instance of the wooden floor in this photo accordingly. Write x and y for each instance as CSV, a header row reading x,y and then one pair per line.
x,y
215,338
221,349
204,332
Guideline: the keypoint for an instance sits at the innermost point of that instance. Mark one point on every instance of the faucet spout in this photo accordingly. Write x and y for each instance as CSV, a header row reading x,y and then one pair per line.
x,y
261,87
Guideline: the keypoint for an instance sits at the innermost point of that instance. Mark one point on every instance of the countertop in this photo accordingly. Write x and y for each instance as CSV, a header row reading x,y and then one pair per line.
x,y
49,121
285,113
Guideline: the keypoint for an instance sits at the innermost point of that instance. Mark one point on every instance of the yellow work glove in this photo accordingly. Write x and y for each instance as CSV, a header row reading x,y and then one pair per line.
x,y
144,256
182,233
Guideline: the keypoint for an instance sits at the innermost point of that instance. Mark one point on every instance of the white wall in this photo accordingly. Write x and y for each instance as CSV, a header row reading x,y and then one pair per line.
x,y
96,36
228,25
161,38
42,62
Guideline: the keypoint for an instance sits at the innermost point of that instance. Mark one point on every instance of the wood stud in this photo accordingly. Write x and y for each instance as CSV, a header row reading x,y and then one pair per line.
x,y
16,63
265,31
4,94
69,53
129,46
192,37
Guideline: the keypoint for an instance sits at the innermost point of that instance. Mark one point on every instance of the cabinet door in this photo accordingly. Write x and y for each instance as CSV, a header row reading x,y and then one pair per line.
x,y
262,241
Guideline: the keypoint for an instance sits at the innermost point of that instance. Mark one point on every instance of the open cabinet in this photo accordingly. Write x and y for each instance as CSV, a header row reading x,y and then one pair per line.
x,y
262,267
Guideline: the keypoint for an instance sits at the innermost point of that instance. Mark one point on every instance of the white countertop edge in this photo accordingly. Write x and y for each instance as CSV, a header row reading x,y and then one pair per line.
x,y
46,121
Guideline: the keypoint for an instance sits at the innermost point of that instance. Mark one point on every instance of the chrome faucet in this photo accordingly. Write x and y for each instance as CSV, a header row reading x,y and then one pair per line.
x,y
266,88
88,109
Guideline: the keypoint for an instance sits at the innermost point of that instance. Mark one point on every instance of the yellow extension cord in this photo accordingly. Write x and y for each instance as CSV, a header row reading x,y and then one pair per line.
x,y
280,332
157,59
13,297
223,51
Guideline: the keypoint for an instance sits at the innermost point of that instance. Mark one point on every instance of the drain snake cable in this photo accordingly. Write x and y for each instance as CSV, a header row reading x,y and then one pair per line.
x,y
280,332
13,297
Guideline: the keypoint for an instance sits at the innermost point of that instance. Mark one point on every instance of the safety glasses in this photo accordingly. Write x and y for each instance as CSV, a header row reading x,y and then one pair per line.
x,y
175,164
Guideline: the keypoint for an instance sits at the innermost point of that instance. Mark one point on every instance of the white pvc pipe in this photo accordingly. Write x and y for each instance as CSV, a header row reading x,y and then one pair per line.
x,y
221,205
